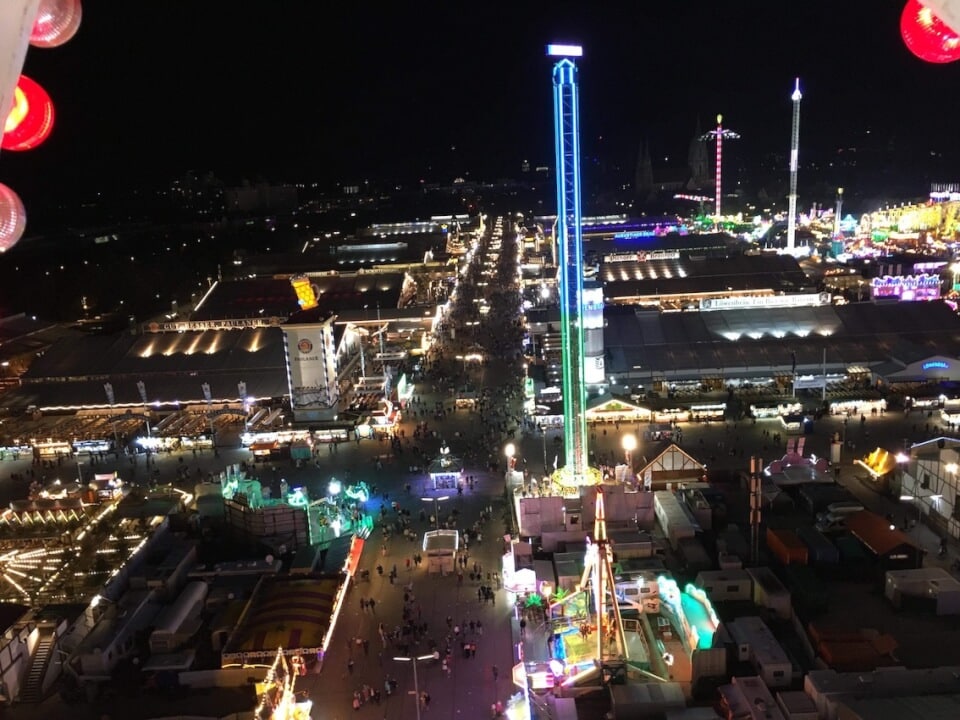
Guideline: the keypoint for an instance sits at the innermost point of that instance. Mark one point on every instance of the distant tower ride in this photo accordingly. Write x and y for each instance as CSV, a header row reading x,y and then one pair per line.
x,y
718,135
569,239
794,153
836,214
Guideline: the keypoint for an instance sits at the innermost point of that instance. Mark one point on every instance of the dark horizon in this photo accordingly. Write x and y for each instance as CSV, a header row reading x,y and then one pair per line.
x,y
144,94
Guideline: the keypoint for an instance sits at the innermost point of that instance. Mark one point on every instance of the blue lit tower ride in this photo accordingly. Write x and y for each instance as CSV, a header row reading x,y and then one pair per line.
x,y
569,239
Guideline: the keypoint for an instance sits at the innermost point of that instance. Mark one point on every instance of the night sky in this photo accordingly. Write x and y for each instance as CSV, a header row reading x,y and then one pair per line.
x,y
343,91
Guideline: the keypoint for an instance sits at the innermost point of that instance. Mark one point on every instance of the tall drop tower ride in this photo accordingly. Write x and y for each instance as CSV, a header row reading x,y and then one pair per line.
x,y
718,136
794,153
569,239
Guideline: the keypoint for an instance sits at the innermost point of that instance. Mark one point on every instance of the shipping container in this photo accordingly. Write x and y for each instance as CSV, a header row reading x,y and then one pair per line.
x,y
786,546
851,550
820,632
820,550
856,656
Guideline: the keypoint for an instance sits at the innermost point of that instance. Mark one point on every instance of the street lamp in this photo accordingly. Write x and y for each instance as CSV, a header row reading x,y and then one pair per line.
x,y
543,436
510,451
629,444
413,660
436,507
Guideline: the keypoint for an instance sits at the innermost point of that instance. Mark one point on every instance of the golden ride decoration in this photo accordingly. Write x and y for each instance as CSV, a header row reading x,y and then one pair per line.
x,y
565,477
278,698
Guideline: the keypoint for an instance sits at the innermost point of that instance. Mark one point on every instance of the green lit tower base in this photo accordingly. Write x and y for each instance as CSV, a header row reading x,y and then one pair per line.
x,y
569,241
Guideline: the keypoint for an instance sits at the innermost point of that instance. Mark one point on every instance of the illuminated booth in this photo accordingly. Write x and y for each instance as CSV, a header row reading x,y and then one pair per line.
x,y
445,471
440,549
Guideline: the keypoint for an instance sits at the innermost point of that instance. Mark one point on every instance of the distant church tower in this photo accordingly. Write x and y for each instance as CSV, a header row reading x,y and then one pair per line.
x,y
698,161
643,181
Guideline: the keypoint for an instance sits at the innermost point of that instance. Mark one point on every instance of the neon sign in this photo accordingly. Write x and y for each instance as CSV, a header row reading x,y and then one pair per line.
x,y
935,365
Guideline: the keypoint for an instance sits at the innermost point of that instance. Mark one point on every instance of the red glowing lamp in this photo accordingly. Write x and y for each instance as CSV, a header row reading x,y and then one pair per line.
x,y
927,36
13,218
31,118
57,21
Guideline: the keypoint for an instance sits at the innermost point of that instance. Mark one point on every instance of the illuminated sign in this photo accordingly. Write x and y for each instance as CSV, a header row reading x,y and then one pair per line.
x,y
592,308
305,290
906,288
936,365
658,231
765,301
204,325
642,256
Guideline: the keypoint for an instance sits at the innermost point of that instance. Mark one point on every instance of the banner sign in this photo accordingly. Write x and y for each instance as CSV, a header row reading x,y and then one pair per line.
x,y
766,301
312,371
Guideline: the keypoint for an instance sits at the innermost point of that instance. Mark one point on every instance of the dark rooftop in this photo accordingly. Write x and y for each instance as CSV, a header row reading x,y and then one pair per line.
x,y
274,297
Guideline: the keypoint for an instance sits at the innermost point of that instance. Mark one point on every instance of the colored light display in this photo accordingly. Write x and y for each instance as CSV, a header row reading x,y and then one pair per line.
x,y
13,218
57,22
30,120
906,288
927,36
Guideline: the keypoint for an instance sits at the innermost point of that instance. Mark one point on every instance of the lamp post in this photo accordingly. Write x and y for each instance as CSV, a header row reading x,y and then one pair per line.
x,y
510,451
413,660
543,437
436,507
629,443
902,460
